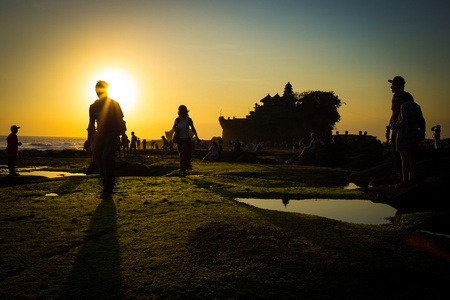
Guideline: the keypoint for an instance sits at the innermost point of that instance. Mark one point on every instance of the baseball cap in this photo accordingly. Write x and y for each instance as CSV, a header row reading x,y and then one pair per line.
x,y
14,126
398,79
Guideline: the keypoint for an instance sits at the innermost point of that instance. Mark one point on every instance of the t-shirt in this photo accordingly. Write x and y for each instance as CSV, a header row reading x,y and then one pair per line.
x,y
183,127
109,116
12,148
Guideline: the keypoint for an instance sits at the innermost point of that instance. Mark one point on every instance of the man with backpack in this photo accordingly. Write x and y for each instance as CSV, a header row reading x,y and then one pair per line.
x,y
408,124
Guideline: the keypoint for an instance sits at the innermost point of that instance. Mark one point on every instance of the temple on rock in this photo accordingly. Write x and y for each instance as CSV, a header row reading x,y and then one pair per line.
x,y
283,118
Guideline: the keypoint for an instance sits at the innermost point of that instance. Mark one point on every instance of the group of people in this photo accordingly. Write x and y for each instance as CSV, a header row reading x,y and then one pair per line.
x,y
130,146
306,151
106,124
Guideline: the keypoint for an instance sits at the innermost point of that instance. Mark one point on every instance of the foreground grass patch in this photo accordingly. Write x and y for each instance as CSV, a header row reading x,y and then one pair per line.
x,y
169,237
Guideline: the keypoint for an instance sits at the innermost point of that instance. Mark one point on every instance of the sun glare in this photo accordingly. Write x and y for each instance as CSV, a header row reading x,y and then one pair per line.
x,y
121,87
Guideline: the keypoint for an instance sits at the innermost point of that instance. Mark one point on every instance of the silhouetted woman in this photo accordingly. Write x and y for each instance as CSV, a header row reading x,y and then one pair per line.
x,y
184,143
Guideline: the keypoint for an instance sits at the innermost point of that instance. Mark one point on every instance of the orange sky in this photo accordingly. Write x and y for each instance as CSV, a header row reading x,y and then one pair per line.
x,y
217,58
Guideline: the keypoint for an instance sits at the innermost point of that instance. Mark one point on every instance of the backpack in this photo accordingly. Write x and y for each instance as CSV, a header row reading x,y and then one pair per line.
x,y
420,122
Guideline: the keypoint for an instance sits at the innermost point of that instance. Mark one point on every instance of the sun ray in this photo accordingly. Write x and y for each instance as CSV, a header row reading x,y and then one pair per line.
x,y
121,87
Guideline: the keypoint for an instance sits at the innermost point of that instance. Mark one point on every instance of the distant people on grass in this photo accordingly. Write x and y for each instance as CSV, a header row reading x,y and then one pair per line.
x,y
108,116
125,143
133,142
165,145
184,143
409,128
12,150
138,143
306,152
309,150
213,153
237,149
437,136
144,144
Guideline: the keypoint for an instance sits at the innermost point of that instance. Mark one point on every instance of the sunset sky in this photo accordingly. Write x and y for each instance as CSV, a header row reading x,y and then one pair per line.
x,y
217,58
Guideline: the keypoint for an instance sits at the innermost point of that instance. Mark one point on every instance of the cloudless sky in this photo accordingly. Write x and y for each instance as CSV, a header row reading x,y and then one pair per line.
x,y
217,58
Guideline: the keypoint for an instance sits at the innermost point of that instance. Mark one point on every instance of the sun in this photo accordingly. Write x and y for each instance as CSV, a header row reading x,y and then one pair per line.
x,y
121,87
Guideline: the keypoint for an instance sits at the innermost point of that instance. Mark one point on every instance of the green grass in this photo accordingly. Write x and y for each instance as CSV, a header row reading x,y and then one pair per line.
x,y
162,237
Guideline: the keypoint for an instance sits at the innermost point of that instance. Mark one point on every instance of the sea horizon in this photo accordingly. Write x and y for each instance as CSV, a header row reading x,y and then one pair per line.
x,y
46,142
50,142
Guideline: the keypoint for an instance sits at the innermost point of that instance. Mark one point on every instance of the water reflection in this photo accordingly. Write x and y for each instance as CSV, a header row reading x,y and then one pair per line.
x,y
37,171
355,211
51,174
350,186
51,195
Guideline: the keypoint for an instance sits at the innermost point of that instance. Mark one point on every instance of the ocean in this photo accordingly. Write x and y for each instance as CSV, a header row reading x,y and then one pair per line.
x,y
46,143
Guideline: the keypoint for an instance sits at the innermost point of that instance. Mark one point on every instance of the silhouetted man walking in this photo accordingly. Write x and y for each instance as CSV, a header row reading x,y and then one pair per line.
x,y
105,137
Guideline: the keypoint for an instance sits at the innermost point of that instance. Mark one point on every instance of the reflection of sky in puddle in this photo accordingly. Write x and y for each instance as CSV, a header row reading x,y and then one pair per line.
x,y
51,174
37,171
355,211
350,186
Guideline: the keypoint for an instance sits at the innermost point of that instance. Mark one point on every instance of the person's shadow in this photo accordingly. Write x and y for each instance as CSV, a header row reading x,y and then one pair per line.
x,y
96,272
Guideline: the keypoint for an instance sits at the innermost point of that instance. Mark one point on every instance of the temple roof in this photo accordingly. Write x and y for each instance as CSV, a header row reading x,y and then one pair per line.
x,y
267,98
276,97
287,96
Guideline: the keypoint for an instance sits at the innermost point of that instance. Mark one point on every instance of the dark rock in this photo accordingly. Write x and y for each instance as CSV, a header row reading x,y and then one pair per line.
x,y
427,194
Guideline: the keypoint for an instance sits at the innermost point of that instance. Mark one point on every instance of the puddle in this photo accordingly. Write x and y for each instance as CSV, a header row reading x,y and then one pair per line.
x,y
350,186
354,211
195,176
51,174
37,171
51,195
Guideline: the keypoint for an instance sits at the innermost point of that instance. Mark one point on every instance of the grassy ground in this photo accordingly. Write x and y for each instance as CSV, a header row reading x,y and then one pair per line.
x,y
162,236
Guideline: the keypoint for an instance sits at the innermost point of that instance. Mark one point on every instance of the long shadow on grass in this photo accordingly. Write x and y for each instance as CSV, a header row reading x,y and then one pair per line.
x,y
96,272
69,185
